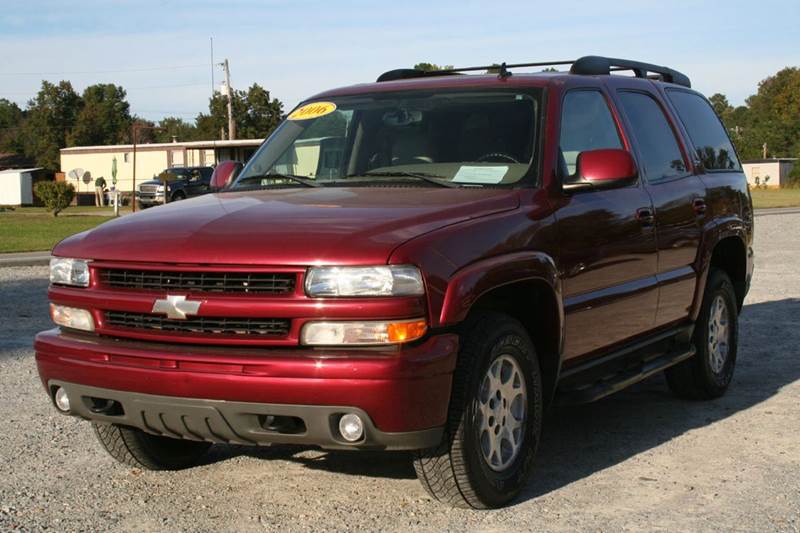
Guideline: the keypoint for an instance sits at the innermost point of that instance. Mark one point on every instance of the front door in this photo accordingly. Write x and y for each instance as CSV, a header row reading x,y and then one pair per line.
x,y
608,252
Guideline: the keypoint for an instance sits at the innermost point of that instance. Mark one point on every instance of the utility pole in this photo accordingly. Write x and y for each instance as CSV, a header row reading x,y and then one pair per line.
x,y
231,124
212,66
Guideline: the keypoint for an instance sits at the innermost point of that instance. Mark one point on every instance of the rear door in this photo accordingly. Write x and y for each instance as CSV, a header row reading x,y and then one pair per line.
x,y
607,242
677,193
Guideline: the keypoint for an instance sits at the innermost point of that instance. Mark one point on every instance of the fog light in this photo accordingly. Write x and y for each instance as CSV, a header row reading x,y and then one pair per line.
x,y
351,427
62,400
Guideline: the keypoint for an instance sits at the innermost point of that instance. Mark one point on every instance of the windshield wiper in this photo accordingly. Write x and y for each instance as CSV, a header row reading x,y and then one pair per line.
x,y
278,176
424,176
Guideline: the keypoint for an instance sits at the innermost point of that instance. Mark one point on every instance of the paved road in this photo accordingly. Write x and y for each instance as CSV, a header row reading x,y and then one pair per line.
x,y
24,259
639,460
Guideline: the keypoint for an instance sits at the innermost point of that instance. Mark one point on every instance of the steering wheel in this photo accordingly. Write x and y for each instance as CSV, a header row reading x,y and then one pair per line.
x,y
496,156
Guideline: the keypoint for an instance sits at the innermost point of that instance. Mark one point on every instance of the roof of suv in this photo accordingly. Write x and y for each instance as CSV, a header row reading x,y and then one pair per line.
x,y
405,79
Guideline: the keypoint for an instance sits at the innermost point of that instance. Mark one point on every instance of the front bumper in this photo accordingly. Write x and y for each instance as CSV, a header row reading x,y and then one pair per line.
x,y
150,199
236,422
402,393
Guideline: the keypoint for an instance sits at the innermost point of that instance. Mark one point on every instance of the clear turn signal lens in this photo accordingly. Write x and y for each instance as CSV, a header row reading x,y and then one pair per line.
x,y
362,333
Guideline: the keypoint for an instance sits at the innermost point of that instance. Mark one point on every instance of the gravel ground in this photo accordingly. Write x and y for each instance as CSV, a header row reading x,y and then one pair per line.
x,y
639,460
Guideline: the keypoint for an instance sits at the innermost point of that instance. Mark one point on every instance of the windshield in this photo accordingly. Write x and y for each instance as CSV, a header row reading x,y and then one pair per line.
x,y
448,139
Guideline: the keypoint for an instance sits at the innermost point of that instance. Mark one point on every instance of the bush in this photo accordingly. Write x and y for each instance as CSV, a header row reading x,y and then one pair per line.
x,y
56,195
794,176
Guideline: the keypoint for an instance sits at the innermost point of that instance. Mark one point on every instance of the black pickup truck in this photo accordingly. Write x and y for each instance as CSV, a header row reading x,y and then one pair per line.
x,y
182,183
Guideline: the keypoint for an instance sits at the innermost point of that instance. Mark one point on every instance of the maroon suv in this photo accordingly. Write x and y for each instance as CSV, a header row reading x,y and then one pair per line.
x,y
423,263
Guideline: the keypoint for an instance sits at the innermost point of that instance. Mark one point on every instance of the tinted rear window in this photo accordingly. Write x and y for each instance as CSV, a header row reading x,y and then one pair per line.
x,y
714,148
661,156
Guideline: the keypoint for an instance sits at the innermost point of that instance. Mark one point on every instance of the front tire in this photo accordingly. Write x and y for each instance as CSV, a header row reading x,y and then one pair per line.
x,y
494,420
709,372
136,448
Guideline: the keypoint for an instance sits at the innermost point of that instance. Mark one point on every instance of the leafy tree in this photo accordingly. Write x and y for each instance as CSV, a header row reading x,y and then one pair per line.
x,y
56,195
145,131
105,117
177,127
255,112
771,116
720,104
11,117
429,67
263,113
51,115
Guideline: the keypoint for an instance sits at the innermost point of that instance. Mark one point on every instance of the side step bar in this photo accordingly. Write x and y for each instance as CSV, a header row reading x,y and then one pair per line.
x,y
625,378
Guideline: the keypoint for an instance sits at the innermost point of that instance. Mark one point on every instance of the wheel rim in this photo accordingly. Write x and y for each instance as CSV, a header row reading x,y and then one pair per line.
x,y
502,413
718,334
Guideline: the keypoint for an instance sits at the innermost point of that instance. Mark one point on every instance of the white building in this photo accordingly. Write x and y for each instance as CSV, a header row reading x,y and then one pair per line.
x,y
16,186
91,162
771,173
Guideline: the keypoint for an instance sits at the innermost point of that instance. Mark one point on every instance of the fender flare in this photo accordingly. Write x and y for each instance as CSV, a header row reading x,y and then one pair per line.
x,y
468,284
715,233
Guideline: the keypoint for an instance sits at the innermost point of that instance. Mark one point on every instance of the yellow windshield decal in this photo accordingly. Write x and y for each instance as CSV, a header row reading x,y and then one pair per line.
x,y
313,110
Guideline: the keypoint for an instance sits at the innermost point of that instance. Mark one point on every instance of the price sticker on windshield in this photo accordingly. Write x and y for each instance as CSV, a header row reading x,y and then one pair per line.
x,y
312,110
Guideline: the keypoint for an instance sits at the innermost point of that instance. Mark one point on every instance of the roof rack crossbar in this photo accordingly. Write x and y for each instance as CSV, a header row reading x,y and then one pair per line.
x,y
597,65
408,73
587,65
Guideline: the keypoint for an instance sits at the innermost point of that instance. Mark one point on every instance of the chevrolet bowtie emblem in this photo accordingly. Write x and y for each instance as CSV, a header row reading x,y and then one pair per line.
x,y
176,307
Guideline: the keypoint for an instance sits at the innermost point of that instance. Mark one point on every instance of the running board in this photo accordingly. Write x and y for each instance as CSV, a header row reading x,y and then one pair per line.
x,y
625,378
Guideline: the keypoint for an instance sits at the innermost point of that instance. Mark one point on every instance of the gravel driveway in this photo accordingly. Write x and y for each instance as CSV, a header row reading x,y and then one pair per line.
x,y
639,460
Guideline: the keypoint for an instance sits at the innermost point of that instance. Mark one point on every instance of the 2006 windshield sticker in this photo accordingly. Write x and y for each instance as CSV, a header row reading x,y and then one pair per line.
x,y
313,110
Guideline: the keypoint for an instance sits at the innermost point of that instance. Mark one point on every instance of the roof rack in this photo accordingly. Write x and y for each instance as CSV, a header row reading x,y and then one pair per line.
x,y
587,66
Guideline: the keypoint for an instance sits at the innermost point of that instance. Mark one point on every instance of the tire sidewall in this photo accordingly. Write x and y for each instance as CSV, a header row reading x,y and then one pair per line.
x,y
719,285
496,488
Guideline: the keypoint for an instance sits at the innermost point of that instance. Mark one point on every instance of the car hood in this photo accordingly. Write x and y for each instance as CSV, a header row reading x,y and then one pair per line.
x,y
285,227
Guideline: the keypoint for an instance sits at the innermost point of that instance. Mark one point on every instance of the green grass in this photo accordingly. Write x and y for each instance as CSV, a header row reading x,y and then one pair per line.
x,y
768,198
34,232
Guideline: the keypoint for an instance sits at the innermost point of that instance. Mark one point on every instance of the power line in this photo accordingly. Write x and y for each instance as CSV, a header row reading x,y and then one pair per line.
x,y
115,71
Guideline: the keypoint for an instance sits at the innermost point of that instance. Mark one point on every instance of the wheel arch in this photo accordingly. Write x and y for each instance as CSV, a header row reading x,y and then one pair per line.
x,y
729,254
525,286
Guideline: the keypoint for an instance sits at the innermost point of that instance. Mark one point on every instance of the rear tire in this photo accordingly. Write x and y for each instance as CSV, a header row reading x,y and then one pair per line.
x,y
136,448
494,419
709,372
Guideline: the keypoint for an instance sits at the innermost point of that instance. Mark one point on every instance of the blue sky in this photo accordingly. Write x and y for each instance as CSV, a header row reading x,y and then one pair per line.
x,y
296,49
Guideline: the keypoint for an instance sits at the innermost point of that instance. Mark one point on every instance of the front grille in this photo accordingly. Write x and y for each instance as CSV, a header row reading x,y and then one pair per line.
x,y
235,282
148,188
261,327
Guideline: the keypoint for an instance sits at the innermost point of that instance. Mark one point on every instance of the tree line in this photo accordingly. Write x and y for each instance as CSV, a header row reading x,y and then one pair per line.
x,y
59,117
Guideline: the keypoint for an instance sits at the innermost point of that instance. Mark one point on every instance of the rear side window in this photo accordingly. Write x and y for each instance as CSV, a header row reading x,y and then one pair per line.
x,y
660,155
586,124
714,148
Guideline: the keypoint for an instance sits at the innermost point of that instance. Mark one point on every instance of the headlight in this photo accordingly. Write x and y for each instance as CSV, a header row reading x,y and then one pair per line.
x,y
72,317
391,280
160,188
65,271
362,333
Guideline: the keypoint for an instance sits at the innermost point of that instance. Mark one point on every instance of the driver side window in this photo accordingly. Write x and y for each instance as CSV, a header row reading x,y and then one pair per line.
x,y
586,124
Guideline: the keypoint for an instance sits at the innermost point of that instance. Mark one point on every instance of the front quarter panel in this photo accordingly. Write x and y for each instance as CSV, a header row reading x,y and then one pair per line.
x,y
463,261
